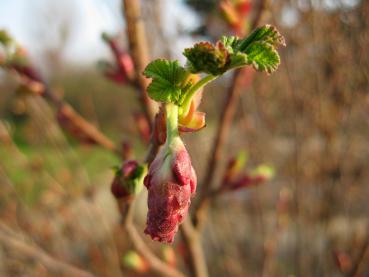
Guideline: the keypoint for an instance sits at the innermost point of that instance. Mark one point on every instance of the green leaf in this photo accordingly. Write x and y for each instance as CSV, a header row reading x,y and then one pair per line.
x,y
239,59
266,33
167,80
263,56
208,58
258,49
230,43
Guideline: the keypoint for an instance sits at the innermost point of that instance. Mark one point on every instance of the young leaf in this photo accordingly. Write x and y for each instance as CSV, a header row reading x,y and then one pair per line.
x,y
239,59
266,33
259,49
263,57
167,81
230,43
208,58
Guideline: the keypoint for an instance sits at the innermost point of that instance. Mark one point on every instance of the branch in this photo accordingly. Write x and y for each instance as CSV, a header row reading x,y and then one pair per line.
x,y
191,238
260,9
139,52
218,145
223,130
76,124
360,258
126,210
36,254
89,130
141,247
73,121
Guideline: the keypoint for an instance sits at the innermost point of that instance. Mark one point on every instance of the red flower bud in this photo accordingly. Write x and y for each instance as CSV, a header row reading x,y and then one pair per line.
x,y
128,180
124,61
118,187
171,182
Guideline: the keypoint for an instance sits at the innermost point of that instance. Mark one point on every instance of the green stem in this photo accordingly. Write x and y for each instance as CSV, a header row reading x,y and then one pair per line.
x,y
171,113
187,101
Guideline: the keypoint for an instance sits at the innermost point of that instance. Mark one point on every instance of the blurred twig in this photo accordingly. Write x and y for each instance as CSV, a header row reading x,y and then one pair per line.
x,y
79,122
126,210
141,247
35,84
38,255
217,148
360,258
191,232
139,52
191,238
224,125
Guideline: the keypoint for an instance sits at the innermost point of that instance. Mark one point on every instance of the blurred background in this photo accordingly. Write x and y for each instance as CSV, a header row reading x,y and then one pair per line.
x,y
309,121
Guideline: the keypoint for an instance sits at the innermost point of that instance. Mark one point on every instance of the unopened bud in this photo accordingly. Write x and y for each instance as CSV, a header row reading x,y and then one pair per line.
x,y
135,262
128,179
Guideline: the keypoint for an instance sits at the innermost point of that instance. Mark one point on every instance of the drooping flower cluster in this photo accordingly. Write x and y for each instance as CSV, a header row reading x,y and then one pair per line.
x,y
171,183
172,180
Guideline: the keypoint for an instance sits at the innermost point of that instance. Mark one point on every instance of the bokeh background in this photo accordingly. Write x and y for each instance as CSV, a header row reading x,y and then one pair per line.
x,y
309,120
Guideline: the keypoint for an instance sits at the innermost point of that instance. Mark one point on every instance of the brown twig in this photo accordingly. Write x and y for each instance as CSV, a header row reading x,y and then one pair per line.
x,y
126,210
217,148
223,130
139,52
141,247
36,254
191,233
40,87
360,258
191,238
89,130
80,123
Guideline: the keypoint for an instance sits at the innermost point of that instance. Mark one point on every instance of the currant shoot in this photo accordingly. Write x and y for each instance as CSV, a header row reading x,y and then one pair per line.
x,y
171,180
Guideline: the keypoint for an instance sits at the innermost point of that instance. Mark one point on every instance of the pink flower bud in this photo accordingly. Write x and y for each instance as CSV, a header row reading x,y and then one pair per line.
x,y
124,61
128,180
171,182
118,186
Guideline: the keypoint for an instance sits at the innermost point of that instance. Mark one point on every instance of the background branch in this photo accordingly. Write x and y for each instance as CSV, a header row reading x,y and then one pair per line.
x,y
36,254
224,126
139,52
142,248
